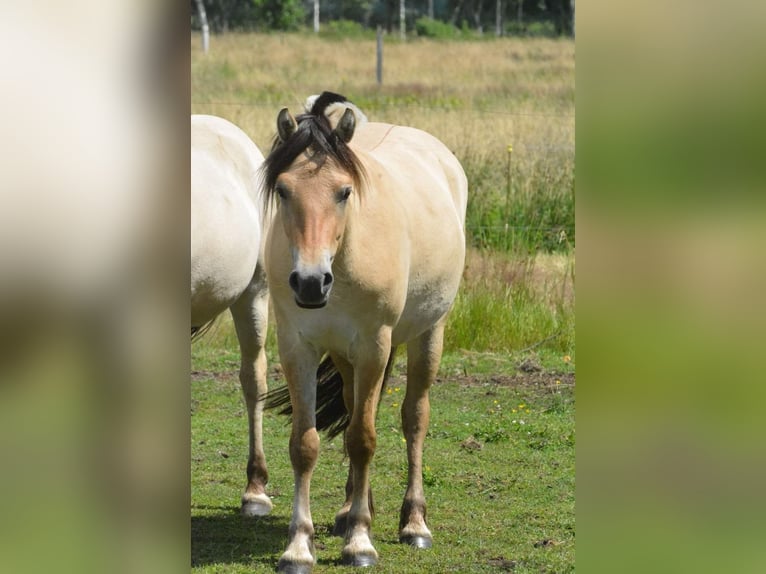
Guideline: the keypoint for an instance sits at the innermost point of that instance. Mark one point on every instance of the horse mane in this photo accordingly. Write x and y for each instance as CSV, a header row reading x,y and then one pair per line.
x,y
333,106
316,135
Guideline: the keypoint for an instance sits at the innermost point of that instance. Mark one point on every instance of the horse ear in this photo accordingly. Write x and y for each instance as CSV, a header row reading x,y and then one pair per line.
x,y
346,125
286,125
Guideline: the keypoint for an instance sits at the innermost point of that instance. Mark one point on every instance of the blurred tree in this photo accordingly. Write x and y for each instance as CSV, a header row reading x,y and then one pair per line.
x,y
281,14
549,17
225,15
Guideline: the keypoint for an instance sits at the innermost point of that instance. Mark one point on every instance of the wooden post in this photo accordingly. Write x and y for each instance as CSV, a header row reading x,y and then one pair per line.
x,y
205,28
508,188
573,18
402,22
316,16
431,9
379,51
498,18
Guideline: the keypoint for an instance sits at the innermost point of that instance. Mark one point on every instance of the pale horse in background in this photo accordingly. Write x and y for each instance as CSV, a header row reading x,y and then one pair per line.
x,y
227,232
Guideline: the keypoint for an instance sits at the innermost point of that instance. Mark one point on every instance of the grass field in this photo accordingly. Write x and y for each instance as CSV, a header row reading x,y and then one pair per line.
x,y
500,492
499,470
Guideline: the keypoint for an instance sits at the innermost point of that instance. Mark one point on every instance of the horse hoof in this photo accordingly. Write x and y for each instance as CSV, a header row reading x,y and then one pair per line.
x,y
417,541
359,560
294,568
256,505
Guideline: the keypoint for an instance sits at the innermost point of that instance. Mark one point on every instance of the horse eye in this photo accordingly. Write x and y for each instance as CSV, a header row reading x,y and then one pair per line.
x,y
344,194
281,192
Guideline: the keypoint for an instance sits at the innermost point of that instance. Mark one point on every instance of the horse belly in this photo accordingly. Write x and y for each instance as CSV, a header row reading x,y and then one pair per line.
x,y
436,268
225,246
216,283
423,310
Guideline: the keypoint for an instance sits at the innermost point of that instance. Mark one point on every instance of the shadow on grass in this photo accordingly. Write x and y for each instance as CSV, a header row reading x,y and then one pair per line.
x,y
227,537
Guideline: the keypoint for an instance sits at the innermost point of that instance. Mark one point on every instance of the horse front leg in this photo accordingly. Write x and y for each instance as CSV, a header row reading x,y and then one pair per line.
x,y
250,314
423,356
300,372
361,439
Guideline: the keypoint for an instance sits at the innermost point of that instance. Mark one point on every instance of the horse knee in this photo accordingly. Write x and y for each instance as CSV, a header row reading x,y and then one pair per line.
x,y
361,443
304,450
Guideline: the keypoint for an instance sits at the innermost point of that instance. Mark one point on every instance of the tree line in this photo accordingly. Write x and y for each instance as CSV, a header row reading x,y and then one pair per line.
x,y
499,17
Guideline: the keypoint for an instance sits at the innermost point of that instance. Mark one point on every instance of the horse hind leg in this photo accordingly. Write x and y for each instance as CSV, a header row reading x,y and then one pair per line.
x,y
347,373
423,356
341,518
250,313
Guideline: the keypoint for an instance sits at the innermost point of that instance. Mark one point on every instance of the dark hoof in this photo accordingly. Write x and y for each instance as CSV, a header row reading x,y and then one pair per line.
x,y
417,541
293,568
360,561
339,529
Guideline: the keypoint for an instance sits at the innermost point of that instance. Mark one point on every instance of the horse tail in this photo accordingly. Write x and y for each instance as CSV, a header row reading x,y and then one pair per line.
x,y
331,414
197,332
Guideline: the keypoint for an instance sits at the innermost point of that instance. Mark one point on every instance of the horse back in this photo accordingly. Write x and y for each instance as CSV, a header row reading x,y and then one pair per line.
x,y
419,161
225,215
422,190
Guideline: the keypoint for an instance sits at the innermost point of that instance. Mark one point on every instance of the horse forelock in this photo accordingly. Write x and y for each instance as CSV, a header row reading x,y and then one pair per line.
x,y
314,135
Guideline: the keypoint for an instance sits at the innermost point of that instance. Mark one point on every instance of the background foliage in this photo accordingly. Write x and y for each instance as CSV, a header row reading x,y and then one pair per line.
x,y
457,17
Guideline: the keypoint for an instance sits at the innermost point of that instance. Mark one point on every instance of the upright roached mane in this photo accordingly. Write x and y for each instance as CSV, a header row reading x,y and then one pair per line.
x,y
314,136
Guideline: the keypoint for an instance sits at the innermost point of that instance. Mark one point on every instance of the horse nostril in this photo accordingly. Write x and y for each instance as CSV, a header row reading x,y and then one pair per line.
x,y
327,279
293,281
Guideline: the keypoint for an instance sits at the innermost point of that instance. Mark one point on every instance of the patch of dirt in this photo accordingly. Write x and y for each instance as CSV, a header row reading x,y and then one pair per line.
x,y
530,365
471,443
503,563
539,379
206,375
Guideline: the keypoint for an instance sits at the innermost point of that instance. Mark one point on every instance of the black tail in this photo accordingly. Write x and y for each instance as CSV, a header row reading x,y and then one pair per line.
x,y
331,414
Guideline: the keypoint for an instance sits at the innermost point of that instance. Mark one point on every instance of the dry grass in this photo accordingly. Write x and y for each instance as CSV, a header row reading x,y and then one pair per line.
x,y
549,276
476,95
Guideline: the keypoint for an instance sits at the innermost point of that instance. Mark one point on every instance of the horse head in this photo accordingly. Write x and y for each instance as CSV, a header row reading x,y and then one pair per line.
x,y
313,173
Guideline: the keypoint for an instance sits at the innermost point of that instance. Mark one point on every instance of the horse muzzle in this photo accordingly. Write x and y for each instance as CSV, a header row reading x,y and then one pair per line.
x,y
311,289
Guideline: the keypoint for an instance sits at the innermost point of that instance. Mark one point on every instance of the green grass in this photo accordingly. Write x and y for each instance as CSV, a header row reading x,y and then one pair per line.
x,y
500,491
508,303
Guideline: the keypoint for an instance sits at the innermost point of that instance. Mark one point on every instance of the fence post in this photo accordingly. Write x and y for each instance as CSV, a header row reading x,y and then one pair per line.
x,y
205,27
402,21
316,16
379,52
508,190
498,18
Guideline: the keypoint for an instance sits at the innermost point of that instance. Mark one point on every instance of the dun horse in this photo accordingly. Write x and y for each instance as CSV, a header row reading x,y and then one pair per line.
x,y
365,254
227,267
